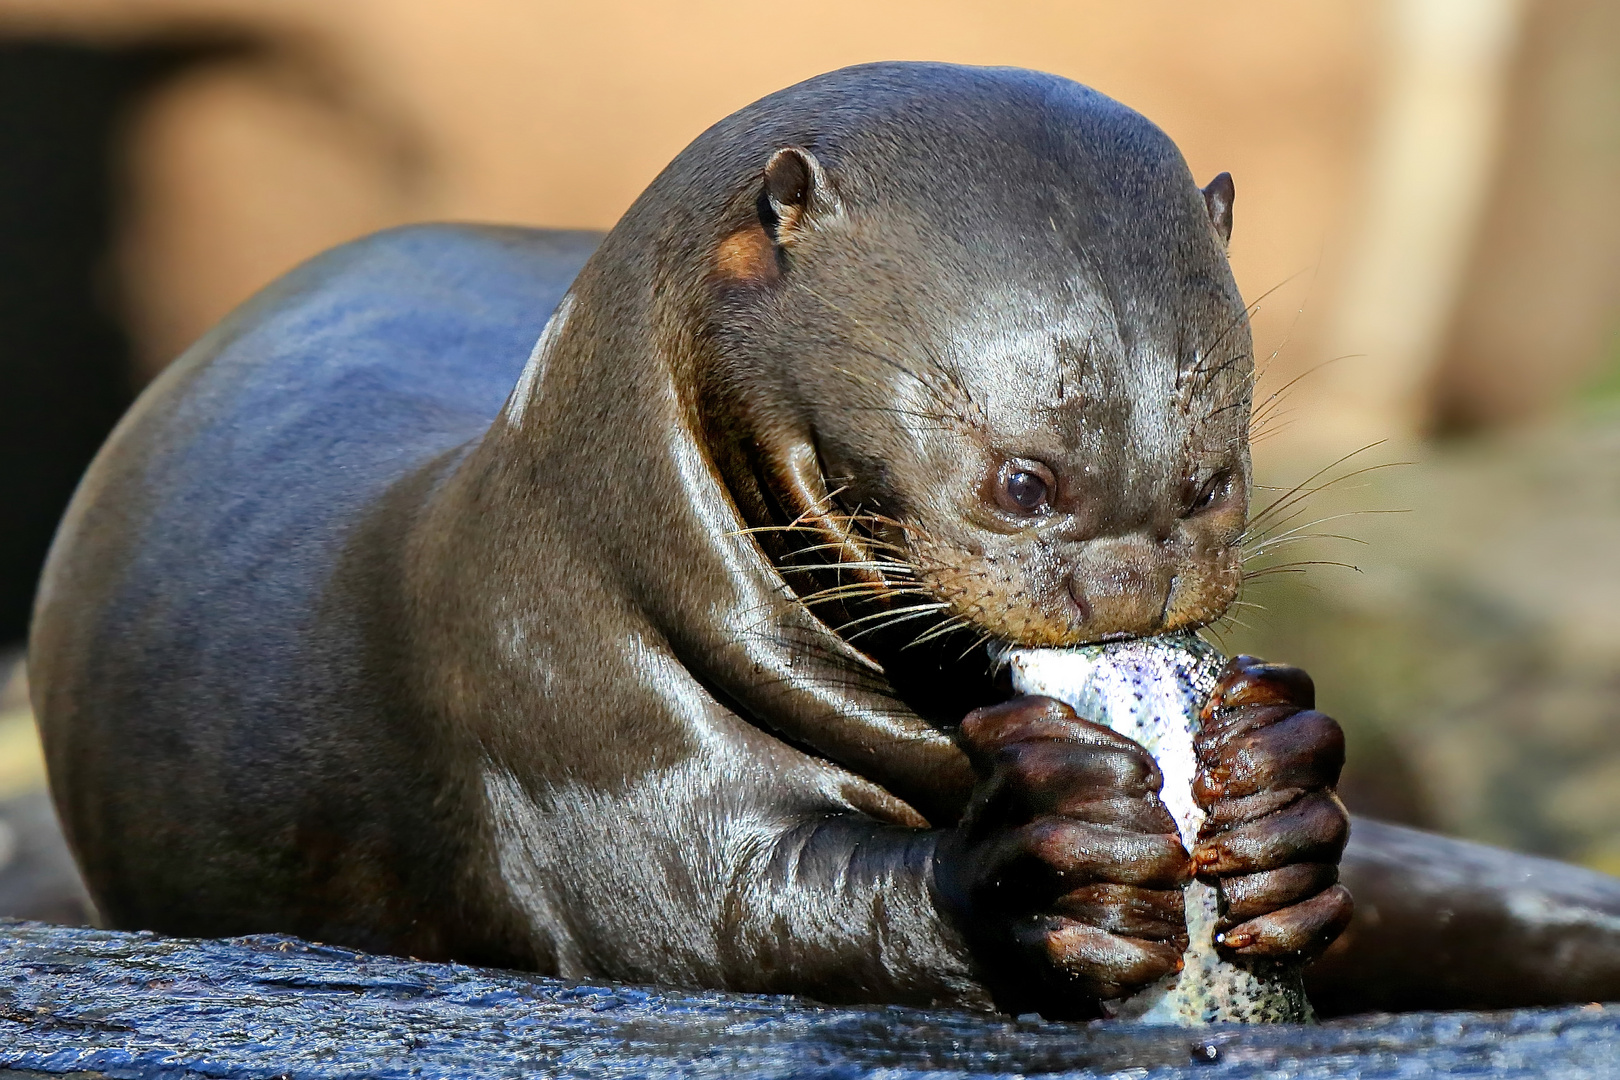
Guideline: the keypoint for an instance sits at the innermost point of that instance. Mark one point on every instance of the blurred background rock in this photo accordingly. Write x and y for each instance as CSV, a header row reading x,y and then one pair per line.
x,y
1427,220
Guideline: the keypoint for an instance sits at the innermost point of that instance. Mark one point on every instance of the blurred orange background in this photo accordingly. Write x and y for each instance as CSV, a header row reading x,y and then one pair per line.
x,y
1424,183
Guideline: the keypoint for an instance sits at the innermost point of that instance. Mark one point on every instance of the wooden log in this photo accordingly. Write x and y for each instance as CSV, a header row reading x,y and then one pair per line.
x,y
80,1001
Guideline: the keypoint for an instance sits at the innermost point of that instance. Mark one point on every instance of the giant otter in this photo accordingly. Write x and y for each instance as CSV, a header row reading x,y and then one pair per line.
x,y
675,662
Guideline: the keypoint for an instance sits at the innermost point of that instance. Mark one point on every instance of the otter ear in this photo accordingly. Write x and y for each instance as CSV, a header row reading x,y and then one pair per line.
x,y
796,190
1218,200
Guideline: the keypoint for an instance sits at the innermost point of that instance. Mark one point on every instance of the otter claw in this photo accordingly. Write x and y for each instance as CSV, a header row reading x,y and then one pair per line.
x,y
1250,681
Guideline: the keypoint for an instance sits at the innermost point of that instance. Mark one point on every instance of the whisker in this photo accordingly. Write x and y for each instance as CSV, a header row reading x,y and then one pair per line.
x,y
851,592
1283,500
1269,431
1267,535
857,590
1335,517
817,508
980,640
1228,407
1214,631
909,611
816,548
900,615
954,623
1245,316
805,568
1293,325
816,531
1296,538
1301,497
1260,410
1296,568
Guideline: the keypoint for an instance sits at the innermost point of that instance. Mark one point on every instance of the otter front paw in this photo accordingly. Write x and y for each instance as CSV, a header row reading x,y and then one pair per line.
x,y
1066,872
1274,830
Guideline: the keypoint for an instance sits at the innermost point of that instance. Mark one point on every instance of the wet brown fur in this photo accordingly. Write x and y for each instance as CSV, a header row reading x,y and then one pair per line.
x,y
657,676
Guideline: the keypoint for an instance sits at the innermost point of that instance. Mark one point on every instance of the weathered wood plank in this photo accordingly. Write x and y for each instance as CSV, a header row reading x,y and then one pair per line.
x,y
128,1005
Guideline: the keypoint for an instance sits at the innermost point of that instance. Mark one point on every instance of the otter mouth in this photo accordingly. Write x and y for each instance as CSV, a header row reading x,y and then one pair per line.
x,y
936,611
941,629
905,587
1108,589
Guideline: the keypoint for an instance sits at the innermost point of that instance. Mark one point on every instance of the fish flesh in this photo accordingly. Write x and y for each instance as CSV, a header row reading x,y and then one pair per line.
x,y
1151,691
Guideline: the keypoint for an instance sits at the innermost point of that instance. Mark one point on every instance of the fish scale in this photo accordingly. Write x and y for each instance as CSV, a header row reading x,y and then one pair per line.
x,y
1151,690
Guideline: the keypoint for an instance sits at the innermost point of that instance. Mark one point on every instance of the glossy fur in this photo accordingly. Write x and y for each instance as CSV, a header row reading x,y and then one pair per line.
x,y
608,675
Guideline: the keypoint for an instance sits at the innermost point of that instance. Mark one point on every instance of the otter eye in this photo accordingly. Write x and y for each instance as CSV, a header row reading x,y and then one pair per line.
x,y
1210,492
1026,488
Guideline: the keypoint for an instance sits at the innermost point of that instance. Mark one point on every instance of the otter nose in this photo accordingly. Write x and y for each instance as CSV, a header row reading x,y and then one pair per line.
x,y
1118,597
1118,581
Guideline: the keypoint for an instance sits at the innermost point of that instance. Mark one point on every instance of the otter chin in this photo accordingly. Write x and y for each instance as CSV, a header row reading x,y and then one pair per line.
x,y
623,606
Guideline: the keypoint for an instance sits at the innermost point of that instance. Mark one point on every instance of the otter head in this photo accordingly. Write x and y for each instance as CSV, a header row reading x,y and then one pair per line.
x,y
995,362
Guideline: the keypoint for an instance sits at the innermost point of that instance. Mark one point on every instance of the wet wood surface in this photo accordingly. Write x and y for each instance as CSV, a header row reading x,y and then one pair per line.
x,y
76,1001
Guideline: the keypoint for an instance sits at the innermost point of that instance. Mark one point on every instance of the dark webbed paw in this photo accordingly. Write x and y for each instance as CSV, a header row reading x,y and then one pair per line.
x,y
1274,829
1066,871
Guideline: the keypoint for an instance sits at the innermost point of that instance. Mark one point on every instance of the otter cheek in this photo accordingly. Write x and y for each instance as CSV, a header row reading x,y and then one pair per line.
x,y
1204,589
1120,587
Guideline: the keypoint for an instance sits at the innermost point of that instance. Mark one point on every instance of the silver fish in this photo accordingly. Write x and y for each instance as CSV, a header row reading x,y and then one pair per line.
x,y
1151,690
